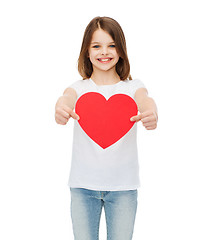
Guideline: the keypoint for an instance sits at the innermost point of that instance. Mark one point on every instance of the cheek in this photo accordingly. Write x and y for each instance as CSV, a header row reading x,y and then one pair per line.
x,y
115,54
91,56
116,57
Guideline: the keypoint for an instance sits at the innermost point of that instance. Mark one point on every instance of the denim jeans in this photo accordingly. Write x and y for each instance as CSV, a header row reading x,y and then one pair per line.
x,y
120,211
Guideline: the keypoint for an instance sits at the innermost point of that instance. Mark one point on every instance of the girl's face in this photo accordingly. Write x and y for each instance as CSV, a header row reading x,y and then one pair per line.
x,y
102,51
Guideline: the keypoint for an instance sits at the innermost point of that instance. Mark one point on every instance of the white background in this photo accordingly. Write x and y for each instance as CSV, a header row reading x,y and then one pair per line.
x,y
171,49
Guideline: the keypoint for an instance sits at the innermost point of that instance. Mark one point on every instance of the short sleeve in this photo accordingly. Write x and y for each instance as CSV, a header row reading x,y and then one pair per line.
x,y
78,86
75,85
138,84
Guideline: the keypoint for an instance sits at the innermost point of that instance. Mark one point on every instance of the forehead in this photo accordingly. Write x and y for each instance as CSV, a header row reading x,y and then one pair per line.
x,y
101,36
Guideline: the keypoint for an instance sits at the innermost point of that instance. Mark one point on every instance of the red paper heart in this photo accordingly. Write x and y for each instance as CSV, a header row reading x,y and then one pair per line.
x,y
105,121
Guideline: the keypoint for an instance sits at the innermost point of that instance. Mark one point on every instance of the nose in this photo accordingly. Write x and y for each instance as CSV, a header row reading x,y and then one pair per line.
x,y
104,51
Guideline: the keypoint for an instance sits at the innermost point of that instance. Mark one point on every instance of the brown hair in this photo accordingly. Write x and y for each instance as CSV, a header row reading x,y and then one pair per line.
x,y
112,27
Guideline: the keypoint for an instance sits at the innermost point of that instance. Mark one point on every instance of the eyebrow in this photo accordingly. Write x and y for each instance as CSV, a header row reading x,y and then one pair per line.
x,y
99,42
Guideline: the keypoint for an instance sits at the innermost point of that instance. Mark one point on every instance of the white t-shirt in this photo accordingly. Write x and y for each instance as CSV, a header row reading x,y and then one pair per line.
x,y
114,168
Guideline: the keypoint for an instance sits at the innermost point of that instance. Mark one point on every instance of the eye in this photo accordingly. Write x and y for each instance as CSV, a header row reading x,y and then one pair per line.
x,y
112,46
96,46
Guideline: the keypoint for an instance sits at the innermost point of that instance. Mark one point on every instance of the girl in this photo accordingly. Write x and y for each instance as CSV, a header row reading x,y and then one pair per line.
x,y
107,176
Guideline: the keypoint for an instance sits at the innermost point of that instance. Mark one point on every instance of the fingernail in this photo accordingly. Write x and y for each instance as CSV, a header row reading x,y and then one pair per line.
x,y
131,119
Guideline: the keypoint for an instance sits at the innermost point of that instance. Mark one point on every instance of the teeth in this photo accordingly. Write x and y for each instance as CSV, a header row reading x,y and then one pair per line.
x,y
104,60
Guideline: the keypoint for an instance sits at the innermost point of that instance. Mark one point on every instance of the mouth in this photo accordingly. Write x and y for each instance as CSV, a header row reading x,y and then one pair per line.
x,y
104,60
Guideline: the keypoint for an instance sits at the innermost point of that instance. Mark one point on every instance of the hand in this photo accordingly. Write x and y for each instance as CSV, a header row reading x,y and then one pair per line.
x,y
63,112
149,119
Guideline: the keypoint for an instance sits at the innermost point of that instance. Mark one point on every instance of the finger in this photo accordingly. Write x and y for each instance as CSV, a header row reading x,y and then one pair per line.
x,y
71,112
136,118
61,120
149,113
74,115
150,124
151,128
63,113
148,119
67,109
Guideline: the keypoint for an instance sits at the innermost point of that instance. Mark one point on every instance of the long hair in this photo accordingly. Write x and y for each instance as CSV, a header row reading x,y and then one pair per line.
x,y
112,27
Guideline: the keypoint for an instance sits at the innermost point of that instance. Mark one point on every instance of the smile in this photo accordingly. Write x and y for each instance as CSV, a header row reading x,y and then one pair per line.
x,y
104,60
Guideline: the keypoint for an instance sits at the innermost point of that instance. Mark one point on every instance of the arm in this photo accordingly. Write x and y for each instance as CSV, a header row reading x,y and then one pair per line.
x,y
147,108
70,96
65,106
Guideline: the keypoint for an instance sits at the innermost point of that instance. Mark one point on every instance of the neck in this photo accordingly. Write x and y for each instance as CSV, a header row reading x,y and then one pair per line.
x,y
105,78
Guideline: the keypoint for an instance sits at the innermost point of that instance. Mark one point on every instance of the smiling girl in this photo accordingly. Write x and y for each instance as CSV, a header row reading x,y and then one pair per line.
x,y
104,177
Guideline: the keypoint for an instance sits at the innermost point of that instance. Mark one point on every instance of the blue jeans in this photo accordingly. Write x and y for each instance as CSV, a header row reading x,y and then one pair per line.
x,y
120,211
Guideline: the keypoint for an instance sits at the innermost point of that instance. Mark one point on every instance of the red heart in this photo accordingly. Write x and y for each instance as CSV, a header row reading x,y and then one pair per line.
x,y
105,121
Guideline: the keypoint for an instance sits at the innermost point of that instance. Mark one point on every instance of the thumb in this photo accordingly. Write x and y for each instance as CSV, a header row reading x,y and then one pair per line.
x,y
72,113
136,118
